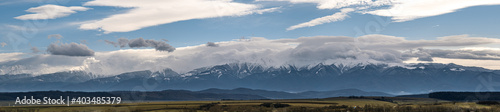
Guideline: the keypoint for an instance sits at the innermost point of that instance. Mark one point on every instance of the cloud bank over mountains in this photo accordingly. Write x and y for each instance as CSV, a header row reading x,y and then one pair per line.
x,y
302,51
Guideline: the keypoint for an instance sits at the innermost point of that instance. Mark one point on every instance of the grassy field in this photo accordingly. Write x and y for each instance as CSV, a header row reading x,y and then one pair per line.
x,y
340,104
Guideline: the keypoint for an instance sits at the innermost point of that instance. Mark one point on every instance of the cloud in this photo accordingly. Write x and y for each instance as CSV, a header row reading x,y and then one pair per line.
x,y
140,42
337,4
488,64
459,54
146,13
57,36
212,44
339,16
400,43
14,27
404,10
40,64
3,44
398,10
10,56
50,11
35,50
122,42
71,49
425,58
303,51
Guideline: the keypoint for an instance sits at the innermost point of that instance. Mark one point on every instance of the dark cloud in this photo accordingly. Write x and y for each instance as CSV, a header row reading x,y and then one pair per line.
x,y
35,49
140,42
425,58
111,42
71,49
122,42
57,36
212,44
160,45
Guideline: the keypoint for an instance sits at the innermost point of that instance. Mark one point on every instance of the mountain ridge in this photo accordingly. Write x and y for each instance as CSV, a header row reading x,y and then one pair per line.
x,y
412,78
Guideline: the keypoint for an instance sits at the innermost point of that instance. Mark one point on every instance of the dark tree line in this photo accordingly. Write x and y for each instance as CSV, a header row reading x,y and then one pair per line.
x,y
466,96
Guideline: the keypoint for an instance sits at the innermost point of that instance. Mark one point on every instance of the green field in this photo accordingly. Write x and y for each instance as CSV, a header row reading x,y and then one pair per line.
x,y
340,104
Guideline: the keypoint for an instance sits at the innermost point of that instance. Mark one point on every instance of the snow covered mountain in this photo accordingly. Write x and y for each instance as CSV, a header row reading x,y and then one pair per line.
x,y
414,78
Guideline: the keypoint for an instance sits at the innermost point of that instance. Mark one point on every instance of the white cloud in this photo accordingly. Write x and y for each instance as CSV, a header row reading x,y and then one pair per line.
x,y
488,64
480,48
406,10
10,56
14,27
339,16
40,64
476,54
302,51
146,13
50,12
337,4
398,10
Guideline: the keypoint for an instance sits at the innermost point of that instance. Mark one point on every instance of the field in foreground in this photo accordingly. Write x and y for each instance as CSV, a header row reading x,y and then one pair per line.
x,y
339,104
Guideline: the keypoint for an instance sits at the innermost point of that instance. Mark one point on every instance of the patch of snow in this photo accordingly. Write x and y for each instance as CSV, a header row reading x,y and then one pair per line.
x,y
457,69
220,74
421,67
186,75
408,67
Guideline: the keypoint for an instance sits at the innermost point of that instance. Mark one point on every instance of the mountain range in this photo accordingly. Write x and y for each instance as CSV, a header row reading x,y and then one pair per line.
x,y
414,78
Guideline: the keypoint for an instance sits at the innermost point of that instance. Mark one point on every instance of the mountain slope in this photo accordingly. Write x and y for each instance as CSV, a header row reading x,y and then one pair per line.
x,y
343,92
54,81
287,95
415,78
265,93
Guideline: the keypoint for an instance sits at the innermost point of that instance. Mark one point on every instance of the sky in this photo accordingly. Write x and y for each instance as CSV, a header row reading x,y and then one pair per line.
x,y
115,36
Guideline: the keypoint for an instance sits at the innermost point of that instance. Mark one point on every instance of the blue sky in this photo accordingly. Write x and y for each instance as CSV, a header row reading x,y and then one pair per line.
x,y
475,21
88,23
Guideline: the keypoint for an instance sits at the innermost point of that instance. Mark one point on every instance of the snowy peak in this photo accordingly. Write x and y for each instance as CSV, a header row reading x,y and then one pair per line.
x,y
233,70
